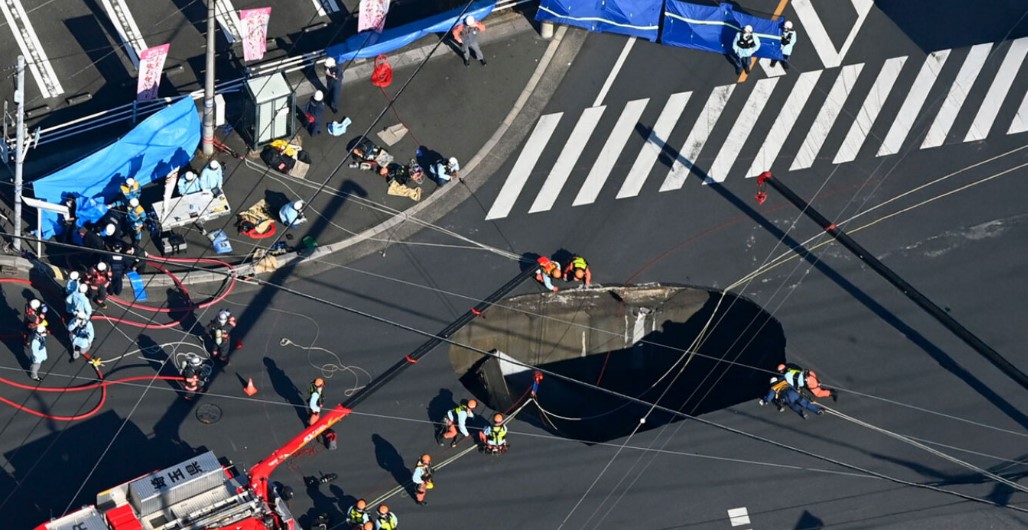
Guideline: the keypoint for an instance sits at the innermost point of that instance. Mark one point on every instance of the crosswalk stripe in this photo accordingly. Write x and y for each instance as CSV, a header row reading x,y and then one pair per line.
x,y
654,145
1020,123
568,158
785,121
31,48
741,130
611,152
916,96
957,94
697,137
869,110
826,117
228,18
771,71
127,28
523,167
998,91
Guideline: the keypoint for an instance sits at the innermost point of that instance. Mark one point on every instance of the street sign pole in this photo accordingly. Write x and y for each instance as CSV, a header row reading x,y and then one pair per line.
x,y
19,154
208,91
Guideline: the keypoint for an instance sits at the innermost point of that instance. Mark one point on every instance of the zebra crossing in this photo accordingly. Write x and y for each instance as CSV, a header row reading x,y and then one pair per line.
x,y
923,114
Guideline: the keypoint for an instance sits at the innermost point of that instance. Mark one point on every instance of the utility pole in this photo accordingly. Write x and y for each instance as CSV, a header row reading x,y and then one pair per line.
x,y
19,151
208,89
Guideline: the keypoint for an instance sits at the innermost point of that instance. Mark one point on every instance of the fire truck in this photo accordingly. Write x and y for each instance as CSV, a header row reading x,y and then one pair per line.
x,y
199,494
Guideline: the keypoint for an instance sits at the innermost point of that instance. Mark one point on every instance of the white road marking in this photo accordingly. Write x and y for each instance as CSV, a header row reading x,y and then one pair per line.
x,y
786,120
741,130
697,137
568,158
815,30
228,17
911,107
31,48
1020,123
611,152
614,71
771,71
957,94
869,110
654,145
738,516
127,29
998,91
523,167
826,117
325,7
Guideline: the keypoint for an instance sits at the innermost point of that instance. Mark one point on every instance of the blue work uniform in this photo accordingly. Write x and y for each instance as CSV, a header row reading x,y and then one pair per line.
x,y
788,41
189,187
131,192
71,287
79,302
290,216
81,333
211,179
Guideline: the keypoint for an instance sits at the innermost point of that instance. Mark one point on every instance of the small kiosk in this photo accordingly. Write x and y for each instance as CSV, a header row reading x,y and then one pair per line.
x,y
268,113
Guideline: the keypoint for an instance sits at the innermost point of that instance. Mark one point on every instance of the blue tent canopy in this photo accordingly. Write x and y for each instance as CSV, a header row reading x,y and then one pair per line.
x,y
158,145
638,18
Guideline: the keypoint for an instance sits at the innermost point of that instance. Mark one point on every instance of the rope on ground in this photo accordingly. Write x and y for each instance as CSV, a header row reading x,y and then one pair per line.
x,y
329,369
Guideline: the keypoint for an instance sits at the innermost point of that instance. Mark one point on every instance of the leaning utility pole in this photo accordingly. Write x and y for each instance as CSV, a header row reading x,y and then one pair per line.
x,y
208,89
19,151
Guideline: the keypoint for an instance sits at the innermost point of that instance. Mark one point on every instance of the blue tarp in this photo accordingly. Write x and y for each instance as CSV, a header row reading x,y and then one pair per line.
x,y
713,28
638,18
156,146
371,44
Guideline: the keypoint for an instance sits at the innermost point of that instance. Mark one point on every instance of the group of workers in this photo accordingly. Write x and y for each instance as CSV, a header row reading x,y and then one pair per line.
x,y
794,387
577,270
746,43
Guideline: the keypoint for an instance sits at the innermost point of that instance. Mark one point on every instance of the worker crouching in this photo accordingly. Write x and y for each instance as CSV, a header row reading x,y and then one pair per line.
x,y
494,437
357,516
455,423
806,382
315,400
547,269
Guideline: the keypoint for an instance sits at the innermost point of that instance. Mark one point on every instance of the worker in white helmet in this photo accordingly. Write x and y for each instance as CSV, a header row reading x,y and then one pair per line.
x,y
314,113
136,219
444,170
99,280
466,35
189,184
35,316
211,178
334,83
744,45
291,214
130,189
80,330
37,351
788,42
78,301
220,330
73,283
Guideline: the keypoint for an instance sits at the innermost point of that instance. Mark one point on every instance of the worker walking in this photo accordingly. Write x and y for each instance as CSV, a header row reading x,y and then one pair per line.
x,y
334,83
802,379
315,400
494,437
80,331
386,519
315,113
781,394
37,351
137,219
422,479
744,45
788,41
35,316
455,423
547,269
99,280
220,330
130,190
357,515
466,35
578,270
78,301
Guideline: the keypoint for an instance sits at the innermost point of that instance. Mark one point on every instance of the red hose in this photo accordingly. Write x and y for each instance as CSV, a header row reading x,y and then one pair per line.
x,y
103,394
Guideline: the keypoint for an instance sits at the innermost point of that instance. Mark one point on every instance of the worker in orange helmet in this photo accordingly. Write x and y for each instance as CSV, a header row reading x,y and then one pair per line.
x,y
315,399
494,437
357,516
547,269
422,478
578,270
386,519
455,423
806,380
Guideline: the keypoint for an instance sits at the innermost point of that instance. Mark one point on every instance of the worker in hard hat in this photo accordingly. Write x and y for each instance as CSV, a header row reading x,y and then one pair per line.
x,y
385,520
357,515
35,316
136,219
37,351
130,189
291,214
220,331
112,233
744,45
315,399
805,381
212,178
422,478
781,393
578,270
334,83
189,184
466,35
315,113
73,282
455,423
494,437
444,171
99,280
78,301
80,331
547,269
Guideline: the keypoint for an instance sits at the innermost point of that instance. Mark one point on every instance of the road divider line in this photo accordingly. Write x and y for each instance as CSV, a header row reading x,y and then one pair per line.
x,y
741,130
28,42
957,94
998,90
608,157
784,123
686,158
911,107
126,27
655,144
523,167
614,71
227,16
566,161
827,116
869,111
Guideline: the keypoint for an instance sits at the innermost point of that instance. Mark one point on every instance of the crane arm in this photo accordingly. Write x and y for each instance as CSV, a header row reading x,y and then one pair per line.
x,y
263,469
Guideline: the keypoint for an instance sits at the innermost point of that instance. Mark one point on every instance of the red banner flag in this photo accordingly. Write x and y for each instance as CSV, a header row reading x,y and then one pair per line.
x,y
254,24
372,15
151,66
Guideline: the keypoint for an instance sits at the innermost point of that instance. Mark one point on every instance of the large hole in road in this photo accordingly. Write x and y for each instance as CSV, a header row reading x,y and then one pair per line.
x,y
695,350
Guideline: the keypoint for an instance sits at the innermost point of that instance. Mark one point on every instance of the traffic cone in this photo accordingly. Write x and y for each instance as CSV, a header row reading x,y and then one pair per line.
x,y
250,389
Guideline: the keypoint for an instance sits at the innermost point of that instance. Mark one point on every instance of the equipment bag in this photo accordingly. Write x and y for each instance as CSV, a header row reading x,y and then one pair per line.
x,y
383,74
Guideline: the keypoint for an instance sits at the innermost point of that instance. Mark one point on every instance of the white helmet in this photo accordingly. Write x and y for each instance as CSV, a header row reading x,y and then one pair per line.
x,y
34,304
747,29
469,20
41,329
83,288
453,161
319,95
134,203
298,205
215,164
190,175
81,315
223,315
787,25
110,228
130,181
102,266
74,275
330,62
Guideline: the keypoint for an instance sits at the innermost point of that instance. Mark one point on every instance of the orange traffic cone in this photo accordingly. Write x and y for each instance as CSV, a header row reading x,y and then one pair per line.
x,y
250,389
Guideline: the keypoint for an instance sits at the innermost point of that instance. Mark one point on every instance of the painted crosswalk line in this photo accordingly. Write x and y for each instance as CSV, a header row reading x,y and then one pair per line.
x,y
654,145
28,42
741,129
826,117
911,108
608,157
566,161
868,112
998,90
683,164
784,123
957,94
523,167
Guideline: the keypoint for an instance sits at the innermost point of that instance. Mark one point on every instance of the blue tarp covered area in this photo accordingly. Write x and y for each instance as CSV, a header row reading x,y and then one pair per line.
x,y
161,143
638,18
713,28
371,44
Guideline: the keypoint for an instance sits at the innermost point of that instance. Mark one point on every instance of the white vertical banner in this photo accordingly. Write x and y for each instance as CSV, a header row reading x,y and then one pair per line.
x,y
151,66
372,15
254,24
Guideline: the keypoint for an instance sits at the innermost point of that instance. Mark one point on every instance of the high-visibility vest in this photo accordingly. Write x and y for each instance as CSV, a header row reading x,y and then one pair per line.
x,y
779,387
546,264
387,522
355,516
795,377
579,263
497,433
313,389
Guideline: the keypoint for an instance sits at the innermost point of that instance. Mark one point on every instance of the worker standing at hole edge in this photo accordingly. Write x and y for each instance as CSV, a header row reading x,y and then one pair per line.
x,y
494,437
387,520
220,330
357,515
802,379
578,270
422,479
547,269
455,423
315,400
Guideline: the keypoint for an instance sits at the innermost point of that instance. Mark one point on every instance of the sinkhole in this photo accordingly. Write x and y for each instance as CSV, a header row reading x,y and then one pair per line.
x,y
696,350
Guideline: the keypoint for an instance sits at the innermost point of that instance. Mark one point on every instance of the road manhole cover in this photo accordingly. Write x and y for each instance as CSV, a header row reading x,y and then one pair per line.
x,y
208,413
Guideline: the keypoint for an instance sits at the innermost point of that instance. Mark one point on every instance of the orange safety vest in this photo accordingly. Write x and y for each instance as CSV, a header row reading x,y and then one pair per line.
x,y
546,265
